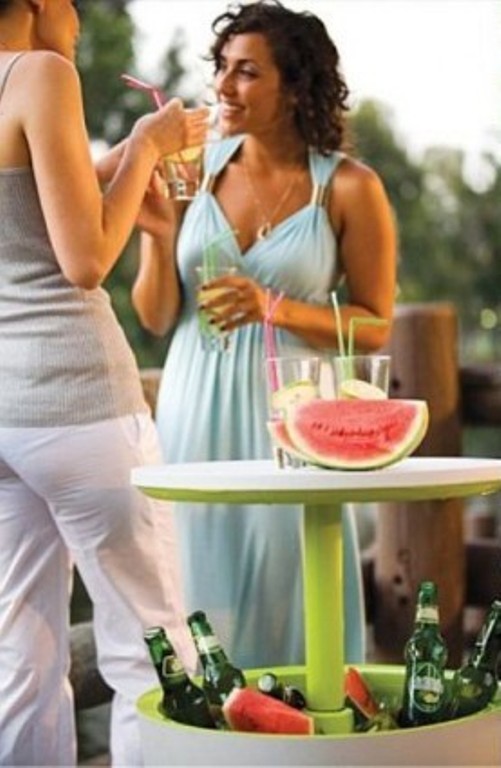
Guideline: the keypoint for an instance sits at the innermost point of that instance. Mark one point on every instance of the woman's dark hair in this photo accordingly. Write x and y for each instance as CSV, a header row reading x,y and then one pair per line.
x,y
308,62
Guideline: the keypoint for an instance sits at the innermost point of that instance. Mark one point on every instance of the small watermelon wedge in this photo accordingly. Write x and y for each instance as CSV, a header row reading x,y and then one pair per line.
x,y
359,693
249,710
357,434
280,437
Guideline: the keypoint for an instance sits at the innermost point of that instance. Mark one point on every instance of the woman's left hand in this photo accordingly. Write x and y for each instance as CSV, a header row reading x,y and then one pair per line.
x,y
243,302
158,215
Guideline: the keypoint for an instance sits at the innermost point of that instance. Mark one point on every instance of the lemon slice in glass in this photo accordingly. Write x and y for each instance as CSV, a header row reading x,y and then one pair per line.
x,y
356,389
189,154
292,394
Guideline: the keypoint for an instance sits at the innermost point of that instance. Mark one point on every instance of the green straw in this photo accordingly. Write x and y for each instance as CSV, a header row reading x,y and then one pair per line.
x,y
339,327
357,321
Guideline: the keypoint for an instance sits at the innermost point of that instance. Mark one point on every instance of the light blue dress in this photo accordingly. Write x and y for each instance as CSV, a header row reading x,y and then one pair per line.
x,y
242,565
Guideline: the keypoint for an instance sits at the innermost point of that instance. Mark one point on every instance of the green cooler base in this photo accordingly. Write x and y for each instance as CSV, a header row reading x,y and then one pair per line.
x,y
470,741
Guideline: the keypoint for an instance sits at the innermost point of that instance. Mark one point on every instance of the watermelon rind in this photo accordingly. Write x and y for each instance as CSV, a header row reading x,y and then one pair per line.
x,y
343,434
248,710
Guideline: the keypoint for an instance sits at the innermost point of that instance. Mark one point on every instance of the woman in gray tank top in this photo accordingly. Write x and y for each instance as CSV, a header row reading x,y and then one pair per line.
x,y
73,421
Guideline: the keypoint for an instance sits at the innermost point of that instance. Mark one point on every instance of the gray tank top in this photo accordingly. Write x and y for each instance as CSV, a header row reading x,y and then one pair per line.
x,y
64,358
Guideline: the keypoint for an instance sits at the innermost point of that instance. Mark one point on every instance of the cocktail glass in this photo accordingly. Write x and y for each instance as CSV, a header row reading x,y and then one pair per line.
x,y
289,381
361,377
212,336
184,168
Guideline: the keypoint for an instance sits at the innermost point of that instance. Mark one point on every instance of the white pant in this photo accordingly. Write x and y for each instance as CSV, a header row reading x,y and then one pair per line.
x,y
65,497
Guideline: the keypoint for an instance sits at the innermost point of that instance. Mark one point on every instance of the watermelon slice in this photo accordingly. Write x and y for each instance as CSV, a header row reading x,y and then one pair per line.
x,y
357,434
359,693
249,710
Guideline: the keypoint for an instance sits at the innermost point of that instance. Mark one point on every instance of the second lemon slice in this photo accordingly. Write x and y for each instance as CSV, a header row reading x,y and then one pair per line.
x,y
356,389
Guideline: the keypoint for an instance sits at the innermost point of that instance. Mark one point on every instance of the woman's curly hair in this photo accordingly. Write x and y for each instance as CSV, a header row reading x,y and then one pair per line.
x,y
308,62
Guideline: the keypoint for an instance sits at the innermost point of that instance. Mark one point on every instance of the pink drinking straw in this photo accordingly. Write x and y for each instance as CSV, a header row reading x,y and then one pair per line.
x,y
270,347
156,94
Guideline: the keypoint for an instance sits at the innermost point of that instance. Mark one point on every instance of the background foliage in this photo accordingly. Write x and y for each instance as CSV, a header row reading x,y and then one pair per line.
x,y
450,232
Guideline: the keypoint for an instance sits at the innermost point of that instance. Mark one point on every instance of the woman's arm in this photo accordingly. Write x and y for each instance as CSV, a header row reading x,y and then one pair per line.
x,y
367,239
156,293
106,166
88,229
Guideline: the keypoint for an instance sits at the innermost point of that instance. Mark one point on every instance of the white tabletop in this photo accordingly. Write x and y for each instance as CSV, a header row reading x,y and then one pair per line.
x,y
413,478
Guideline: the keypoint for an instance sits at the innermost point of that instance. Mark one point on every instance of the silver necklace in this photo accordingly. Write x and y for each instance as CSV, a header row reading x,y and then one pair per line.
x,y
264,230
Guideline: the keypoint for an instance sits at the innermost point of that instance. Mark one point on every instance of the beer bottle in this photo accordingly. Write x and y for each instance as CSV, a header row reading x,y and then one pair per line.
x,y
425,657
182,700
269,684
219,675
476,682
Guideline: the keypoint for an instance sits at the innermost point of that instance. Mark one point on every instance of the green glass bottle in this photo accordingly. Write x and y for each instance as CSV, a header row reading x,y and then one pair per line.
x,y
269,684
424,698
475,683
182,700
219,675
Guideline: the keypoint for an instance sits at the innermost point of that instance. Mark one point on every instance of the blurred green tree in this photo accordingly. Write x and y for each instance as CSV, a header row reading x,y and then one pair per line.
x,y
449,233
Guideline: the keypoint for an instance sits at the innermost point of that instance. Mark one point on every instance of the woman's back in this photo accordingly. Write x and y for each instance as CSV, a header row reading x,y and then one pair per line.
x,y
61,346
14,151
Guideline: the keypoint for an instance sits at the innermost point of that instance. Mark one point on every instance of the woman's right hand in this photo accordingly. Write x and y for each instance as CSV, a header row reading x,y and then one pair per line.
x,y
172,127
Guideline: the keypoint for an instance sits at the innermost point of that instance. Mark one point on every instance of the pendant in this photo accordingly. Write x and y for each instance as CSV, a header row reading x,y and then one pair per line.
x,y
264,230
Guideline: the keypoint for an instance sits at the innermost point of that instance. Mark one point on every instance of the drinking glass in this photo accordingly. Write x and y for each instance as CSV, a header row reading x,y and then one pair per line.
x,y
183,169
212,337
289,381
362,377
182,173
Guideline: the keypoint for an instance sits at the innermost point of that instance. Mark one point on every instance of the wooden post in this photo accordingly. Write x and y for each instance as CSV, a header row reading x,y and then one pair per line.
x,y
422,540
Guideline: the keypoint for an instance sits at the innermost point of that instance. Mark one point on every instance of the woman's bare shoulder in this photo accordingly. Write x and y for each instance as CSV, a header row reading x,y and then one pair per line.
x,y
354,174
44,69
356,188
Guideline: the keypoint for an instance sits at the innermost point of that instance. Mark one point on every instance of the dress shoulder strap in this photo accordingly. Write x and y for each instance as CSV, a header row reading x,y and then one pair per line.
x,y
322,169
217,154
8,70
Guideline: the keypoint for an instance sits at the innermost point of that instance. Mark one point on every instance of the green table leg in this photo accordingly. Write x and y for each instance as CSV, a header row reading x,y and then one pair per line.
x,y
324,618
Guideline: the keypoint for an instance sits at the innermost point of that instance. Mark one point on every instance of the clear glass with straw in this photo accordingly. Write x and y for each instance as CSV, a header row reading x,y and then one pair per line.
x,y
213,338
183,169
359,376
289,381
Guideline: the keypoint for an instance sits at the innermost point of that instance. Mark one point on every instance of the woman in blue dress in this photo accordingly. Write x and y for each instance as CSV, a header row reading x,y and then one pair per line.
x,y
299,215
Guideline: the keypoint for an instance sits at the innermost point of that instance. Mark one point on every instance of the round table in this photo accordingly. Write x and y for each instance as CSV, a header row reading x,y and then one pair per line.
x,y
322,493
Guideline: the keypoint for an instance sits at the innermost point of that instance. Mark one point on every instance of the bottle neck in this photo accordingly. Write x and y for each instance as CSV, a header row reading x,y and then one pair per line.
x,y
488,645
209,648
426,615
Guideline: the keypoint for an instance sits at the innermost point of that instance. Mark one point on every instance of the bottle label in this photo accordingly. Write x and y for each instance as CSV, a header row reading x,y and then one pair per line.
x,y
427,614
172,668
208,644
427,687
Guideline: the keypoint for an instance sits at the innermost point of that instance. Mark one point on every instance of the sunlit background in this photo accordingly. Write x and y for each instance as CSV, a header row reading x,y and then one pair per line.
x,y
436,63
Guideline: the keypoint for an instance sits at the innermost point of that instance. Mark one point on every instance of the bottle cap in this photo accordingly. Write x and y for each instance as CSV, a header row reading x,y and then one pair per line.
x,y
197,616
